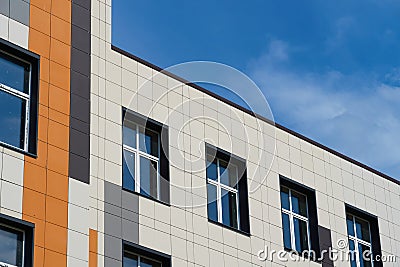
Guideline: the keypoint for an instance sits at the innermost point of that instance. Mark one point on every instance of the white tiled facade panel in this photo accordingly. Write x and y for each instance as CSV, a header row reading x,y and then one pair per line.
x,y
182,230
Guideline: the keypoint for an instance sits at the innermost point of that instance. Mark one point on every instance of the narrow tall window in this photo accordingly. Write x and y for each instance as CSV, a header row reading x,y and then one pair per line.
x,y
141,160
360,243
227,195
222,189
295,220
18,97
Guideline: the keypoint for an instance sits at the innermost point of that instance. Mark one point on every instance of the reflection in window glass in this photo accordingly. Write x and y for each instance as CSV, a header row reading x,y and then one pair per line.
x,y
228,174
285,198
364,255
13,74
299,204
148,141
301,235
128,170
130,260
148,177
212,202
362,229
353,253
350,225
11,246
286,231
212,169
148,263
129,135
12,120
229,208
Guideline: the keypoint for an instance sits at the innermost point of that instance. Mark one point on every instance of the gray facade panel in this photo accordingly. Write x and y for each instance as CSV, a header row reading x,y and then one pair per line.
x,y
80,91
78,143
83,3
80,84
112,194
121,222
79,168
5,7
112,247
325,243
19,11
130,202
81,16
130,231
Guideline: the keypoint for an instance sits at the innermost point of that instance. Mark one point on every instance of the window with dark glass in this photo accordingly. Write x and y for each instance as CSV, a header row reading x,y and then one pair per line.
x,y
139,256
15,242
299,217
145,164
18,97
226,189
363,238
295,220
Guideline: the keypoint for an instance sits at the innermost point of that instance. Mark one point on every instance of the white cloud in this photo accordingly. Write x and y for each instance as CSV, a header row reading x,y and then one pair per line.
x,y
355,114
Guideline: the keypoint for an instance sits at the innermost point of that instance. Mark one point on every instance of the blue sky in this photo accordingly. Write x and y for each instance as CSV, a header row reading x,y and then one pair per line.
x,y
329,69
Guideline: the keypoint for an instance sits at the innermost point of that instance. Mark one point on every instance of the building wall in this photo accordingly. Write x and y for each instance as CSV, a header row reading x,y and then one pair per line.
x,y
72,191
182,230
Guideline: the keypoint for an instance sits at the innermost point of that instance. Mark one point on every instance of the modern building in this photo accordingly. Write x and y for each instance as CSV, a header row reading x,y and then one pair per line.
x,y
106,161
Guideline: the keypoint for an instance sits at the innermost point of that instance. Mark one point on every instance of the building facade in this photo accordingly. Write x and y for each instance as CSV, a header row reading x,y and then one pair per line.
x,y
107,161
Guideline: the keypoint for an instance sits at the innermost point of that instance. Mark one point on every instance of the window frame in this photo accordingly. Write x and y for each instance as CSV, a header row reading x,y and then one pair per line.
x,y
311,204
138,154
163,185
242,198
27,230
357,240
19,55
373,227
293,215
221,186
147,253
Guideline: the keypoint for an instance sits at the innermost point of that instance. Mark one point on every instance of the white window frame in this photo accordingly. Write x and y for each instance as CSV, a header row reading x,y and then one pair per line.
x,y
357,241
221,186
23,244
292,215
139,259
138,153
21,95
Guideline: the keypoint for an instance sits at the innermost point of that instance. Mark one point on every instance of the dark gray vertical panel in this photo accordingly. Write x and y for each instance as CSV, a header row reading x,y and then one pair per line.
x,y
79,163
121,222
325,244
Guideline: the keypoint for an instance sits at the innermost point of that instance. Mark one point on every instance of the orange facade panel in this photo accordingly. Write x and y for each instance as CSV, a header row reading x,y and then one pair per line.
x,y
45,199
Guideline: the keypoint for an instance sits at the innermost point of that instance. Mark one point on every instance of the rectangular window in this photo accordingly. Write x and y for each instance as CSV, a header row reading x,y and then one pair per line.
x,y
138,256
145,162
299,218
226,190
363,237
18,97
295,220
16,242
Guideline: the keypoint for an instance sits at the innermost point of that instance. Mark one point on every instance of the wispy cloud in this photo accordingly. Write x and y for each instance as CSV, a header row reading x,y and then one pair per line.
x,y
357,114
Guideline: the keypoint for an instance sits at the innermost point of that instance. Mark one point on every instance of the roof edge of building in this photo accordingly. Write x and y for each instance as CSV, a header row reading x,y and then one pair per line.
x,y
241,108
